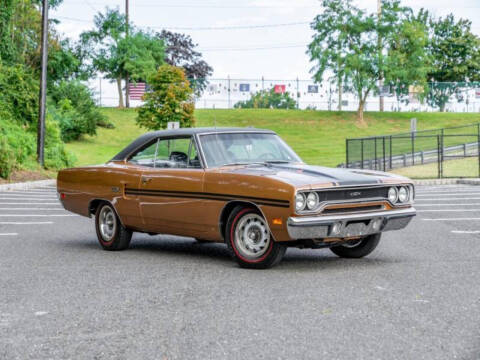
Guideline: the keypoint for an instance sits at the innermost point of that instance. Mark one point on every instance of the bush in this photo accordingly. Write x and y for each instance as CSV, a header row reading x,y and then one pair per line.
x,y
7,159
19,93
170,99
75,110
268,99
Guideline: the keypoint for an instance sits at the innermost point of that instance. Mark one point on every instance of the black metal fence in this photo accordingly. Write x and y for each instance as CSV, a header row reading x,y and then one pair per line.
x,y
442,153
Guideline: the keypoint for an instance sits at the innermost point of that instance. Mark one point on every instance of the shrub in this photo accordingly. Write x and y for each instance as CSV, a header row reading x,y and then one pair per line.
x,y
75,110
268,99
170,99
7,159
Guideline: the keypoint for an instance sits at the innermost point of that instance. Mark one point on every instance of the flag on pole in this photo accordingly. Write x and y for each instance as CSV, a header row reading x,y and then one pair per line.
x,y
279,89
313,89
136,91
244,87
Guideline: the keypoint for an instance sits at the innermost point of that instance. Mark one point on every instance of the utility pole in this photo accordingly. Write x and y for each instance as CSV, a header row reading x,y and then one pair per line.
x,y
380,80
43,86
127,78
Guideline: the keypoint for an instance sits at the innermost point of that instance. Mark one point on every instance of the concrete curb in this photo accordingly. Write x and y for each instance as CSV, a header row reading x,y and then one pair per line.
x,y
446,182
27,185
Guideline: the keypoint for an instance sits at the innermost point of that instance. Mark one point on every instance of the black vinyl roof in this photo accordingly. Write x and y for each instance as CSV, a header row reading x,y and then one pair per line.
x,y
148,137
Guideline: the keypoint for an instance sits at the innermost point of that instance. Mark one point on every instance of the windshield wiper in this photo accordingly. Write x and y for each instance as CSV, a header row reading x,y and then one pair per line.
x,y
277,162
245,163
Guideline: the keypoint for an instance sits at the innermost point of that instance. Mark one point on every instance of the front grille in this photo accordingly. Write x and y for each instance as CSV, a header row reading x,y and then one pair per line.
x,y
341,210
352,194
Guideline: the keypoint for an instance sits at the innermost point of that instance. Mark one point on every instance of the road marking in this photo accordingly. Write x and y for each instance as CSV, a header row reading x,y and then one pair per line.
x,y
26,223
448,210
27,192
452,194
465,232
35,215
442,199
452,219
30,208
22,203
9,234
36,198
446,204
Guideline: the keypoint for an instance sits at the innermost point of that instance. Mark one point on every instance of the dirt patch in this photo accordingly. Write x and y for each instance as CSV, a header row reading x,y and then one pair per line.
x,y
28,175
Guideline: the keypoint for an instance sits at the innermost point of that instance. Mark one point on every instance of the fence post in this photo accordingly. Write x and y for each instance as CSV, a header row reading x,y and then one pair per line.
x,y
478,147
229,91
376,157
404,160
422,157
391,165
384,168
413,148
298,94
346,153
438,157
362,154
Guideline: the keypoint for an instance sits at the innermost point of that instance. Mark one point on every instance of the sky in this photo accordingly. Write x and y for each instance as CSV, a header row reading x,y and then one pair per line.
x,y
242,39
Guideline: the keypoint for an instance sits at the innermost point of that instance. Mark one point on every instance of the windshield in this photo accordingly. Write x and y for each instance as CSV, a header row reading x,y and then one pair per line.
x,y
245,148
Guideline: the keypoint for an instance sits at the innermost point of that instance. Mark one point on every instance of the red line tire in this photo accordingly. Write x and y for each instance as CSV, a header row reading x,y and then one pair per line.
x,y
250,241
357,250
111,234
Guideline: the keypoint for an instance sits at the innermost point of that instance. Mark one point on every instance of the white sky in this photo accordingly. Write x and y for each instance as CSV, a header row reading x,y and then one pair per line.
x,y
241,53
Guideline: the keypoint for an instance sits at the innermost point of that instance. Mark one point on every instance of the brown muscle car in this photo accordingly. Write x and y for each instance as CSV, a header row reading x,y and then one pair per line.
x,y
241,186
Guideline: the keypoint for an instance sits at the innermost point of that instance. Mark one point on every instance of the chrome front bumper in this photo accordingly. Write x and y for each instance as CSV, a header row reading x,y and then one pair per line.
x,y
352,225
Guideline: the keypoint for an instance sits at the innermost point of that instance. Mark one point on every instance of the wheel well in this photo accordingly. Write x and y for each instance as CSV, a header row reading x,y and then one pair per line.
x,y
227,210
92,208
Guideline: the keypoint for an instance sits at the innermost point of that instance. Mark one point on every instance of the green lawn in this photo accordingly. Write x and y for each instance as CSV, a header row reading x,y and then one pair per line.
x,y
467,167
317,136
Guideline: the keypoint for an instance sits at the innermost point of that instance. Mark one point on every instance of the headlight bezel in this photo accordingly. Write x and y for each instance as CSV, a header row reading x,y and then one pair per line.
x,y
316,203
394,188
297,209
403,190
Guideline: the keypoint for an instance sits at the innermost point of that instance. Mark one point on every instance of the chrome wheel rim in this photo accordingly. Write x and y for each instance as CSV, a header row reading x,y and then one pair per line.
x,y
107,223
252,237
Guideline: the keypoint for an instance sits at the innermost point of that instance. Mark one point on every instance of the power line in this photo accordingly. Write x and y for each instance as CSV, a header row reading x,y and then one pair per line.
x,y
272,47
208,28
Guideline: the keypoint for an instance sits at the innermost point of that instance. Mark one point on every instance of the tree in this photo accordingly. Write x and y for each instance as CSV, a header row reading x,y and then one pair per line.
x,y
268,99
455,53
180,51
346,43
170,99
117,55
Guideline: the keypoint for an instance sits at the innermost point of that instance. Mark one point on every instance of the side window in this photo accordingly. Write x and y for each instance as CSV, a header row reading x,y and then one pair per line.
x,y
168,153
145,157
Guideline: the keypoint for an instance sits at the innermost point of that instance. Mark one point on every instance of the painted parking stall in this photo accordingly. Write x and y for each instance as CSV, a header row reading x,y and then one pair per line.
x,y
454,207
37,208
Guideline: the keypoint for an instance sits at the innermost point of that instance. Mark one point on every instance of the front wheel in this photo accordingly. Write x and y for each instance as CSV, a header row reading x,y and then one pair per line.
x,y
250,240
110,232
357,249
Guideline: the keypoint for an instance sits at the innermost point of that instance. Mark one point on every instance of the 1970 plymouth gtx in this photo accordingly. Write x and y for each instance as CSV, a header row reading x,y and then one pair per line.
x,y
244,187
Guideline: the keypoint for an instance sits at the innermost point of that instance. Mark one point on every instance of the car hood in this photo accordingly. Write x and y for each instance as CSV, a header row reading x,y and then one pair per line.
x,y
308,176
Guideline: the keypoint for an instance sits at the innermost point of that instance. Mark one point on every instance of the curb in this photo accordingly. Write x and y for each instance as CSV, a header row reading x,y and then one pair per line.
x,y
446,182
27,185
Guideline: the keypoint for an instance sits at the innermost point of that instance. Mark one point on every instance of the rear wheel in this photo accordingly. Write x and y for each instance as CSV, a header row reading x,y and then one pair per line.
x,y
250,240
110,232
357,249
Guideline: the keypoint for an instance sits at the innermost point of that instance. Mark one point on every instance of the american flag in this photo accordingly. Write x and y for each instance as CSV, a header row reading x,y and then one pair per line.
x,y
136,90
279,89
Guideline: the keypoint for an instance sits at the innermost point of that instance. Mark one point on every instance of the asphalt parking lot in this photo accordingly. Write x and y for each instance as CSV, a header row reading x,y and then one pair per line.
x,y
61,297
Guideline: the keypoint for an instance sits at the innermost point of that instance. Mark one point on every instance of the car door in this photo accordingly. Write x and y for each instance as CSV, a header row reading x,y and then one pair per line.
x,y
169,192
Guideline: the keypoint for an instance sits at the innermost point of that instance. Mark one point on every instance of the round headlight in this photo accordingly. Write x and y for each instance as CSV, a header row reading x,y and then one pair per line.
x,y
300,202
393,195
312,200
403,194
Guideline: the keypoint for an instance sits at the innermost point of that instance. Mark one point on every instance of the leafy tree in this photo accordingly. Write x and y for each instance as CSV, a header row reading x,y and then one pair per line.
x,y
346,41
6,45
268,99
117,55
455,52
170,99
180,51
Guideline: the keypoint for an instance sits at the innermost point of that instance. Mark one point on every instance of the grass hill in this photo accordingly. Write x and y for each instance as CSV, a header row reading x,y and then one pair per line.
x,y
317,136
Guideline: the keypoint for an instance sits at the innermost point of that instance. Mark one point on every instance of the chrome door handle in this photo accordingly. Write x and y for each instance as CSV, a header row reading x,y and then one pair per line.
x,y
146,179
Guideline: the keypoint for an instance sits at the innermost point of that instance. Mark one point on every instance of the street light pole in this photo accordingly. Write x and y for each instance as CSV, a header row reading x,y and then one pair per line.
x,y
380,80
127,77
43,86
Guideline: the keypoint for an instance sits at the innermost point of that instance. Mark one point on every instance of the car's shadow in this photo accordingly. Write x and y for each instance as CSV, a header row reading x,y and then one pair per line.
x,y
300,259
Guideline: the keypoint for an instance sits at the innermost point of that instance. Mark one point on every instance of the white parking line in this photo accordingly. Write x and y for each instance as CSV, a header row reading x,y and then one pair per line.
x,y
30,208
26,223
465,232
9,234
443,199
36,215
14,197
448,210
452,219
28,192
452,194
419,205
28,203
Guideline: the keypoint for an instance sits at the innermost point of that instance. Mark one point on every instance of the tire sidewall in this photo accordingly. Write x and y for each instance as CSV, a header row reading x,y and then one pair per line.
x,y
111,244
